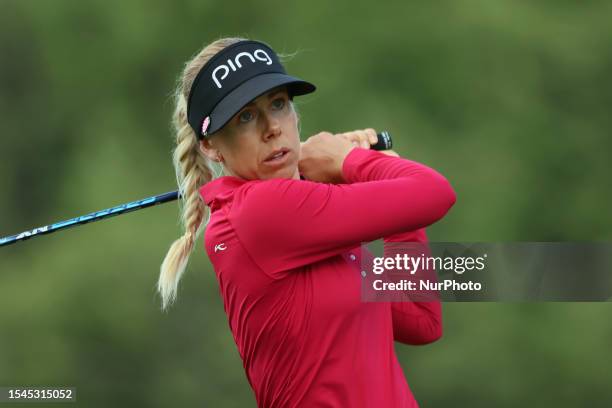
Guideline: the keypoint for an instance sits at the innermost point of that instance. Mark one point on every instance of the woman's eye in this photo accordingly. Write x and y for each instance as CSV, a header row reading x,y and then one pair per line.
x,y
278,103
245,116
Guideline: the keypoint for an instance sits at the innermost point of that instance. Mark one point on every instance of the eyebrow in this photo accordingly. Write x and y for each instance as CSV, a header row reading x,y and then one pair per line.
x,y
270,95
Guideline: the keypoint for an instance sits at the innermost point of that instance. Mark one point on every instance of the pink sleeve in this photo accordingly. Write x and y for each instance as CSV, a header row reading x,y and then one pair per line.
x,y
415,322
286,223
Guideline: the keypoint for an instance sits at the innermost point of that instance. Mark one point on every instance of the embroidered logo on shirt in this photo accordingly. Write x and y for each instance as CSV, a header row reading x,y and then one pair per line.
x,y
220,247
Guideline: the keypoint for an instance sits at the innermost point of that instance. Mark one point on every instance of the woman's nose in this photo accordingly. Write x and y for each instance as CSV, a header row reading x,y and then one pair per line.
x,y
273,128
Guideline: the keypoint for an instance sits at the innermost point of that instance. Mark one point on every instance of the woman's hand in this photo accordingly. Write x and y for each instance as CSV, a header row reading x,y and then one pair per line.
x,y
365,138
361,138
322,155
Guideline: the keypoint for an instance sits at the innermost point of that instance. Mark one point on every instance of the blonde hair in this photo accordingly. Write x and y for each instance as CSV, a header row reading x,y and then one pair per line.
x,y
193,170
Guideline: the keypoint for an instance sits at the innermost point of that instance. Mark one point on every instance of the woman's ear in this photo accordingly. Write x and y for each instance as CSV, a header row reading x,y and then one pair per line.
x,y
210,151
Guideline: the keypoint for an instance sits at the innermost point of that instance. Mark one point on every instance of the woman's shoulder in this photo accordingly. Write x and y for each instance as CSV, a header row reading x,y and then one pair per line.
x,y
228,188
273,187
273,195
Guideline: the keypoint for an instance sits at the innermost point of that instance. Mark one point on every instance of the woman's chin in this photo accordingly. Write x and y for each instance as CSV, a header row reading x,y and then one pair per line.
x,y
288,172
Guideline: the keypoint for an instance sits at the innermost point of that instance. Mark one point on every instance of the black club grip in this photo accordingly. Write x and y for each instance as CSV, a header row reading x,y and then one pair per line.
x,y
384,141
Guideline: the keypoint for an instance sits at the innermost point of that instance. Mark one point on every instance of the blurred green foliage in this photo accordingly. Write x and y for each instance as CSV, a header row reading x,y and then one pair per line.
x,y
508,99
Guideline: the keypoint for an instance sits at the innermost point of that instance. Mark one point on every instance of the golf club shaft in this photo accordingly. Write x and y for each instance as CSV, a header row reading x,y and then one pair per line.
x,y
95,216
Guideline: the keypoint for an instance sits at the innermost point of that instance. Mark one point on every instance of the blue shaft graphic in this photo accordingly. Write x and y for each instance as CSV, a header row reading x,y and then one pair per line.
x,y
95,216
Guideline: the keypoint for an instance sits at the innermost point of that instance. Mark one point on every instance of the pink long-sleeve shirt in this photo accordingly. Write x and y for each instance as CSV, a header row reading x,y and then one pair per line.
x,y
287,256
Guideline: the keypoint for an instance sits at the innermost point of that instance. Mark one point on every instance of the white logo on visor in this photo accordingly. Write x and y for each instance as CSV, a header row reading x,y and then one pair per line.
x,y
258,55
220,247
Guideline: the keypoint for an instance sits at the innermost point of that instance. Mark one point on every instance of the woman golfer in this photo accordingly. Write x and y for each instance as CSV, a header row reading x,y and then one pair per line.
x,y
285,228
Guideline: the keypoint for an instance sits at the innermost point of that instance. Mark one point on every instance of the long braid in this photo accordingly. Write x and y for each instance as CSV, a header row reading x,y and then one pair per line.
x,y
192,171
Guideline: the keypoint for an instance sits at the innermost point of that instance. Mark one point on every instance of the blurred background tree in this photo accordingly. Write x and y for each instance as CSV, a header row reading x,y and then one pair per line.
x,y
508,99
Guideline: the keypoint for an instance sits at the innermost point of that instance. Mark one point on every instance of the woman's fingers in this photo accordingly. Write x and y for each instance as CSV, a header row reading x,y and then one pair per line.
x,y
365,143
373,137
362,138
351,137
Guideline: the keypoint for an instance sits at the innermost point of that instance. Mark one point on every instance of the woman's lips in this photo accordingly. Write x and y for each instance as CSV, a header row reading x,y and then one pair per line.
x,y
278,157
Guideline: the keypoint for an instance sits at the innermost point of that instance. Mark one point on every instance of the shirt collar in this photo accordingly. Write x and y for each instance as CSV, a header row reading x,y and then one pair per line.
x,y
220,189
